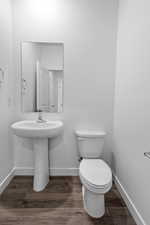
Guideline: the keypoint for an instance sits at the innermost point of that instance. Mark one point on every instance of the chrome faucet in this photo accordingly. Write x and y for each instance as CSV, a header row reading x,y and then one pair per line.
x,y
40,117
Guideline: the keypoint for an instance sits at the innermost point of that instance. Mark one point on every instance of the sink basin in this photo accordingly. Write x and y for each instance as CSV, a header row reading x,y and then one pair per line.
x,y
40,132
33,129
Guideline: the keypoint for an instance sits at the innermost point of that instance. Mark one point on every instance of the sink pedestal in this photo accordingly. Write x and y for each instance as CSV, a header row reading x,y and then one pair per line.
x,y
41,161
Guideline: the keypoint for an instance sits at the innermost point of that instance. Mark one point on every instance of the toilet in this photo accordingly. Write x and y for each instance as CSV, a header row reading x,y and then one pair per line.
x,y
95,174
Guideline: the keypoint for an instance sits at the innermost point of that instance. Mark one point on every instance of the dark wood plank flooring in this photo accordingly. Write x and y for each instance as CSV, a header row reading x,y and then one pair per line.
x,y
59,204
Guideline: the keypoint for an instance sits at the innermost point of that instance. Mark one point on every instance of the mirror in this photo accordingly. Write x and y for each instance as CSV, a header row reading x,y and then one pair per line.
x,y
42,71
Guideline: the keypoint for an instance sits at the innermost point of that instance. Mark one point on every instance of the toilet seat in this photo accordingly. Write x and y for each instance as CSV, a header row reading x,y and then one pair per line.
x,y
96,175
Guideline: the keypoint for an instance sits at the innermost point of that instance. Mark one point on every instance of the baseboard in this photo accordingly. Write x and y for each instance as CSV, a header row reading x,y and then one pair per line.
x,y
28,171
24,171
6,181
64,171
132,208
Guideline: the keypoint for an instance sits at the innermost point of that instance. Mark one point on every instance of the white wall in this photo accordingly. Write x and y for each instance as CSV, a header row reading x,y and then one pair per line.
x,y
6,109
88,30
132,103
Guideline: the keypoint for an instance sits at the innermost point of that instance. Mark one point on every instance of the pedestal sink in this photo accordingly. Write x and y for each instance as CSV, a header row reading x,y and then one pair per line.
x,y
40,133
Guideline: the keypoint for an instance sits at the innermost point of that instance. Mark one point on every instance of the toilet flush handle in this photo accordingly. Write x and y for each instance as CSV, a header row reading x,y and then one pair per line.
x,y
82,138
147,154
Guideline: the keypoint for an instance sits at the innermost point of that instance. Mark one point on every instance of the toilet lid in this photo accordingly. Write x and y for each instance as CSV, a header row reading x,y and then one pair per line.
x,y
90,133
96,172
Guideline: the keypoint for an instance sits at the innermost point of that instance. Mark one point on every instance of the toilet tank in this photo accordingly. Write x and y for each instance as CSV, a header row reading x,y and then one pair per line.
x,y
90,143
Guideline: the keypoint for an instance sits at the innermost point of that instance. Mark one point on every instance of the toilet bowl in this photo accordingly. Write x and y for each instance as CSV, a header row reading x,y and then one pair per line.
x,y
96,179
95,174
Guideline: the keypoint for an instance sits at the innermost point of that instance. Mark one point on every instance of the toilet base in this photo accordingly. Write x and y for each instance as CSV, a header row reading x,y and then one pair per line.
x,y
93,203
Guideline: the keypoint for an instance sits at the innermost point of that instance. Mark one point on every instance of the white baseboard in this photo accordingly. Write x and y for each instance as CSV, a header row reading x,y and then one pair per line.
x,y
132,208
6,181
24,171
28,171
64,171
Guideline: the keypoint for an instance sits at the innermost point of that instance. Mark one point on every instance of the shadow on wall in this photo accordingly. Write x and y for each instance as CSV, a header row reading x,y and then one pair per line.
x,y
56,141
107,154
112,157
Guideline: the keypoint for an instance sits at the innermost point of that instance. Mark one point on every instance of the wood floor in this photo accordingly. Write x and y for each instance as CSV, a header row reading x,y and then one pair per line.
x,y
59,204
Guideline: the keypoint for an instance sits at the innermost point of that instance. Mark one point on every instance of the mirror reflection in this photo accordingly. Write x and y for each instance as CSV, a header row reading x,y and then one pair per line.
x,y
42,76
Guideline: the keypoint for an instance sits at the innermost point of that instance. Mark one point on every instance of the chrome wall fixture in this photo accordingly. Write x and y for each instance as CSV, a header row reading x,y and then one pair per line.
x,y
147,154
24,86
2,74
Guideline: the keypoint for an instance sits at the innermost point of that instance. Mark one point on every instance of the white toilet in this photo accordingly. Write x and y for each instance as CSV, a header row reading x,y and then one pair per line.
x,y
95,174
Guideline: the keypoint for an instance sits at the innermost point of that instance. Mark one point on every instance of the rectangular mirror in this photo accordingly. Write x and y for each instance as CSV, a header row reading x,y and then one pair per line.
x,y
42,71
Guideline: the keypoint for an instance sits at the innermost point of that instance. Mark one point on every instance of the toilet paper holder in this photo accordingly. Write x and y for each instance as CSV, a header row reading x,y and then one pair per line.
x,y
147,154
